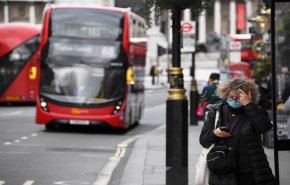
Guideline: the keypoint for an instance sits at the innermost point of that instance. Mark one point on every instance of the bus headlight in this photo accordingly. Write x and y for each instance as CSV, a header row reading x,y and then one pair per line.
x,y
43,105
117,107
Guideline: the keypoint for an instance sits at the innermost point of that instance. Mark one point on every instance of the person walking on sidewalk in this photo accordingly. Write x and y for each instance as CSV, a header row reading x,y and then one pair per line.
x,y
208,95
244,122
154,73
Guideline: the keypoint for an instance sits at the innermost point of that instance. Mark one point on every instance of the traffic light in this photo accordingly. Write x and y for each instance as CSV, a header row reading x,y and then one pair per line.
x,y
161,51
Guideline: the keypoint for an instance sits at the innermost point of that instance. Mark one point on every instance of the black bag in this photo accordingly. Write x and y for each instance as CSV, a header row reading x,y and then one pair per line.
x,y
228,179
221,160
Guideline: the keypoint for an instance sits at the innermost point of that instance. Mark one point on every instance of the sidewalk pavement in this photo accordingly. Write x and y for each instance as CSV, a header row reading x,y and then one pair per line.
x,y
146,164
161,82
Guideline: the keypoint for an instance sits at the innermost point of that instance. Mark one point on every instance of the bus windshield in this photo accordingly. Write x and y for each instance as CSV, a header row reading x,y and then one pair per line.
x,y
84,61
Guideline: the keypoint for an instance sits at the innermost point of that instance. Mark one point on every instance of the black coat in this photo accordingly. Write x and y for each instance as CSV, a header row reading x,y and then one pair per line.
x,y
250,153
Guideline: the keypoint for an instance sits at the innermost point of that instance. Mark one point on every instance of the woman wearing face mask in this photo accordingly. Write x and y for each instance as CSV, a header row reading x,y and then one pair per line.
x,y
244,122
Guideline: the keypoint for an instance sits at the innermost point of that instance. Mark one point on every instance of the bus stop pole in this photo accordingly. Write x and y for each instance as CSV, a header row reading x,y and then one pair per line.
x,y
176,113
193,94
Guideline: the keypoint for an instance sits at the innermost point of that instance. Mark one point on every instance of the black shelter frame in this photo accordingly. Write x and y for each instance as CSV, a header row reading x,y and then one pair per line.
x,y
279,73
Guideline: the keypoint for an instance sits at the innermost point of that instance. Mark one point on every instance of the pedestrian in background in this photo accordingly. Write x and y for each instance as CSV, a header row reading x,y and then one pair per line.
x,y
153,73
208,95
244,123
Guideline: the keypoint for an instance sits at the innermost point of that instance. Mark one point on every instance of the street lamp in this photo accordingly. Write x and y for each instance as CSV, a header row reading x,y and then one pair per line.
x,y
260,23
266,12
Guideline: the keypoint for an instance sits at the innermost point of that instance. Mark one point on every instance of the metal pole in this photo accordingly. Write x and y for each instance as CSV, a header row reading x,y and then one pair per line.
x,y
193,91
274,93
176,114
176,37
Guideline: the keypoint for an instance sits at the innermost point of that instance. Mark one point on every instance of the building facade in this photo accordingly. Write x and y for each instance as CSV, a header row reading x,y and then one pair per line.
x,y
222,18
22,11
227,17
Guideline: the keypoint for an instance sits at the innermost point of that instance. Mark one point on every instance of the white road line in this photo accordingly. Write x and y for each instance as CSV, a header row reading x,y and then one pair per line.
x,y
117,154
24,137
10,114
28,182
123,151
2,182
18,140
105,175
71,182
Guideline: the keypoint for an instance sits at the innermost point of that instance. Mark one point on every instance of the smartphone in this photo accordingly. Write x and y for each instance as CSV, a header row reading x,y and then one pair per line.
x,y
225,129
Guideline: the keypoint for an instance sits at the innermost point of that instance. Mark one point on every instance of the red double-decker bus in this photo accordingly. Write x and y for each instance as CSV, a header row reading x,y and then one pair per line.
x,y
92,67
19,55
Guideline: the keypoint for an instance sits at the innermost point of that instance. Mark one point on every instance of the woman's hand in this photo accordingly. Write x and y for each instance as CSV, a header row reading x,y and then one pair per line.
x,y
245,98
220,133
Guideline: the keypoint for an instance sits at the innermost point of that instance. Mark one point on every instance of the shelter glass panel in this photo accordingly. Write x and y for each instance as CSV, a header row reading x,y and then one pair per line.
x,y
282,50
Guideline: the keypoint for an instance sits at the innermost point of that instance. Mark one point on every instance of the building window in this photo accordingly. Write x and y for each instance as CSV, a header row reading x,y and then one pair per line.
x,y
19,12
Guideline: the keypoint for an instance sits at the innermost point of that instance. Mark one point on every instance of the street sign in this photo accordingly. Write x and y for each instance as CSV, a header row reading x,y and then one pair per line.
x,y
188,44
188,27
235,46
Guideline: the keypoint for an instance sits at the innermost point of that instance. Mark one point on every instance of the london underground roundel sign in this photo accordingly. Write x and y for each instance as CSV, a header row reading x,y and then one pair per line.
x,y
188,27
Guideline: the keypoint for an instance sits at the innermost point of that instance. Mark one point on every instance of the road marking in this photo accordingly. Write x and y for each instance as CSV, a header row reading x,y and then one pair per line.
x,y
104,176
28,182
22,138
10,114
122,153
70,183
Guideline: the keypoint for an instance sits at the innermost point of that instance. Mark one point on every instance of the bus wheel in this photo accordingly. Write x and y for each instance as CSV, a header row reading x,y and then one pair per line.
x,y
137,122
129,121
49,126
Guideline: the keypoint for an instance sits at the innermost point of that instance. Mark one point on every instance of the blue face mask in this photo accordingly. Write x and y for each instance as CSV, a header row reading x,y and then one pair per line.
x,y
234,103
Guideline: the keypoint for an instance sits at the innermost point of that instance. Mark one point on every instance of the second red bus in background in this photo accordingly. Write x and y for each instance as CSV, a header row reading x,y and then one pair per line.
x,y
19,62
